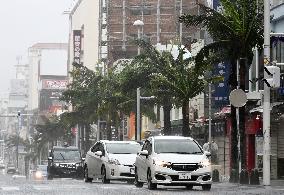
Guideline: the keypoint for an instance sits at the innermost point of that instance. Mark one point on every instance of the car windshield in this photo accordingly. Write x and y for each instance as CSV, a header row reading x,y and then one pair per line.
x,y
123,148
42,168
185,146
65,154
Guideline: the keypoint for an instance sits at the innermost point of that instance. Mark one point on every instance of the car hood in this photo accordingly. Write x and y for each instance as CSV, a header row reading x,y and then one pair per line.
x,y
124,159
180,158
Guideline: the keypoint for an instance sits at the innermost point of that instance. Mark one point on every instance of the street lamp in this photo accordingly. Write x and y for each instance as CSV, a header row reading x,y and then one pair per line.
x,y
139,24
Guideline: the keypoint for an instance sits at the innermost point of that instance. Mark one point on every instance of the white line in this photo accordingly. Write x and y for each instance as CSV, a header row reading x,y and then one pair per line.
x,y
10,188
41,187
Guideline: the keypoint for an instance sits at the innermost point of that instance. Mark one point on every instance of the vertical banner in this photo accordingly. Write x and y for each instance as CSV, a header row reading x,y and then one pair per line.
x,y
77,46
221,91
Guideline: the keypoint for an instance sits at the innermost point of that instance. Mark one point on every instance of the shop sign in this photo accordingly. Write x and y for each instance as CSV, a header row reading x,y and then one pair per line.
x,y
221,89
77,37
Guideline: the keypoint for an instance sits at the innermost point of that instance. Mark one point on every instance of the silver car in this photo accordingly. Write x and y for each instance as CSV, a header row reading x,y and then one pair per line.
x,y
172,160
111,160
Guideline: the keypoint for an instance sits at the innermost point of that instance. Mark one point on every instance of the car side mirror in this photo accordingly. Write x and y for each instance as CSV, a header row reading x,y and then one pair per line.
x,y
98,153
144,153
208,154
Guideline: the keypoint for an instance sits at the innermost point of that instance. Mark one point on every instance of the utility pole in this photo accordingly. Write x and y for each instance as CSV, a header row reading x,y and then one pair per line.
x,y
138,130
266,98
18,134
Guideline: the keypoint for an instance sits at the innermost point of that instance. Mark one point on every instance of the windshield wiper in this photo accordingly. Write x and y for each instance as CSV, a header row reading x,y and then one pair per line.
x,y
62,155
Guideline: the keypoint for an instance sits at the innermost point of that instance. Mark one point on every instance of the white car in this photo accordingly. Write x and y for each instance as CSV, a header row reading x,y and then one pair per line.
x,y
111,160
172,160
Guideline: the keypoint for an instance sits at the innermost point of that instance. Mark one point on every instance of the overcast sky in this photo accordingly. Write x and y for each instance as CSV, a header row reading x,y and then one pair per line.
x,y
24,23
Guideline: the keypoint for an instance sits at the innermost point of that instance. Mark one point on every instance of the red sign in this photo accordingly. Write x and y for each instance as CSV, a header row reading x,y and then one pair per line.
x,y
54,84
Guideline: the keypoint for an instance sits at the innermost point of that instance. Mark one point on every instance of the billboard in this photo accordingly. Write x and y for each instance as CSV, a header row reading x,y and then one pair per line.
x,y
54,84
53,62
77,37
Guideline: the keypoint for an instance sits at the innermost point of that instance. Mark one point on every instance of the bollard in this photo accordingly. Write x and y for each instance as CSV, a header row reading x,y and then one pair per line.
x,y
254,177
215,176
234,176
244,178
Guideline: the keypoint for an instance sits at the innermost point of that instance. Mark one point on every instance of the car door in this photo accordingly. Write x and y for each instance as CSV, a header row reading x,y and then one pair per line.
x,y
143,161
99,160
91,159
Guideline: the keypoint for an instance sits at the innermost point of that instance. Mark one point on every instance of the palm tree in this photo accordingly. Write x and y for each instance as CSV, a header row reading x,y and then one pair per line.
x,y
176,76
236,30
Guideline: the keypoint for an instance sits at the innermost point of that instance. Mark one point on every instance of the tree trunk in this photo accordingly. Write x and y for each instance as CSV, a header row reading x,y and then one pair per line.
x,y
185,119
108,126
87,137
167,116
242,113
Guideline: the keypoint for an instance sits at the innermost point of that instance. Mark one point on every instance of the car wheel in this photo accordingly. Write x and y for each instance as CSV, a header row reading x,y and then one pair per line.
x,y
49,176
137,183
151,186
206,187
86,175
104,179
189,187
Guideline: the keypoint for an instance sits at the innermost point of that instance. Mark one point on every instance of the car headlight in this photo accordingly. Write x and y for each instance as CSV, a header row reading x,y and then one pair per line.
x,y
161,163
113,161
38,175
205,163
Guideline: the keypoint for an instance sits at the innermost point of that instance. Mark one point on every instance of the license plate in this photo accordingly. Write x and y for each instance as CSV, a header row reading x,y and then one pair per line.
x,y
132,171
184,176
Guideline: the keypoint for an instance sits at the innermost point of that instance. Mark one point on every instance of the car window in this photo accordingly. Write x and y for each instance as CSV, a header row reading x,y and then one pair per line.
x,y
101,148
123,148
95,148
66,154
177,146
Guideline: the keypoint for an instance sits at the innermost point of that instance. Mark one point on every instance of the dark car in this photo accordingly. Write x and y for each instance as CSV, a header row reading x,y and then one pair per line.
x,y
64,162
11,169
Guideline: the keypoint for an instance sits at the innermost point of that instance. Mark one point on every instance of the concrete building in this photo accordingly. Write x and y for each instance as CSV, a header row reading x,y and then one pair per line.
x,y
84,20
44,59
160,18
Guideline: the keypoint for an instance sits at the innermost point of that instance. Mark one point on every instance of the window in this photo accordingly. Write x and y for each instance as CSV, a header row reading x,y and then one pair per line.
x,y
185,146
123,148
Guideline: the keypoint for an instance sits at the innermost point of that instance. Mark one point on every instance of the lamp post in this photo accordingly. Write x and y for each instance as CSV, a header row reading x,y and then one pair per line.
x,y
139,24
17,145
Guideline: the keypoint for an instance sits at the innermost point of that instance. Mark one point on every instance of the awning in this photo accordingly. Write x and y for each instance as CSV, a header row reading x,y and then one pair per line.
x,y
260,108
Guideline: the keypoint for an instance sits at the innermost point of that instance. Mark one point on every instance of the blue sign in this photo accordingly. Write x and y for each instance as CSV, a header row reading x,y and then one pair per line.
x,y
221,89
216,4
281,91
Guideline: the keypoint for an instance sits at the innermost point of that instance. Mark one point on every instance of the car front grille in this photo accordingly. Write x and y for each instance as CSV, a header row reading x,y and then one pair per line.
x,y
126,175
176,178
184,167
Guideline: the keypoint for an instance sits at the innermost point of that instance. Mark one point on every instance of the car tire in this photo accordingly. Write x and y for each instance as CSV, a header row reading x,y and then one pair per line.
x,y
137,183
189,187
104,179
49,177
206,187
87,179
151,186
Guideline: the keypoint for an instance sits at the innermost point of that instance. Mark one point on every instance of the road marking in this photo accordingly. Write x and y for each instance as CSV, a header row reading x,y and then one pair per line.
x,y
10,188
41,187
